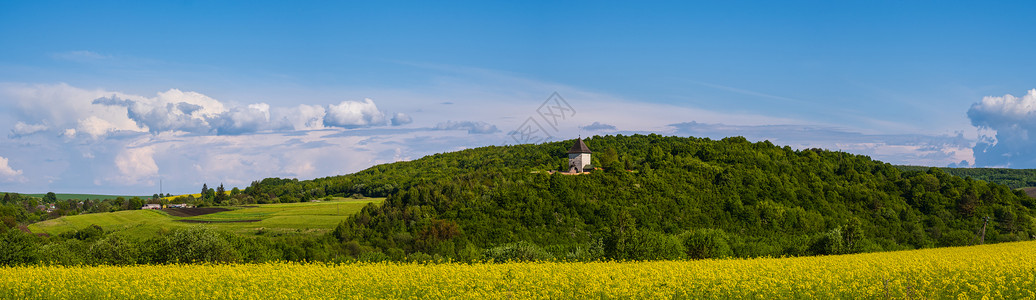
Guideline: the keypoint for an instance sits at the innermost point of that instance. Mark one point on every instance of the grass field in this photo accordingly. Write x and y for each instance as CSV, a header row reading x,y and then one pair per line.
x,y
304,217
1001,271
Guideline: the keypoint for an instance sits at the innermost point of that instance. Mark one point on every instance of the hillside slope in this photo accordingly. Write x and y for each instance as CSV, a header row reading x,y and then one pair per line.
x,y
663,197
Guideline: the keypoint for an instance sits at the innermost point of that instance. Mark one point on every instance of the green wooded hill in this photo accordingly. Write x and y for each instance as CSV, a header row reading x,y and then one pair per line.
x,y
661,197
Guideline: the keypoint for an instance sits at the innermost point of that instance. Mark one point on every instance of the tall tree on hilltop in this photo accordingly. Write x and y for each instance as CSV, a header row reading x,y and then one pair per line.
x,y
207,194
221,193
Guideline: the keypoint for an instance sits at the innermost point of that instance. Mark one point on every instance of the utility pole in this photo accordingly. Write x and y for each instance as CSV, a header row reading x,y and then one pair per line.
x,y
983,241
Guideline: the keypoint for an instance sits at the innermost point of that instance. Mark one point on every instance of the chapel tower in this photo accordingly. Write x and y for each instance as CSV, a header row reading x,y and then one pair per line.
x,y
578,157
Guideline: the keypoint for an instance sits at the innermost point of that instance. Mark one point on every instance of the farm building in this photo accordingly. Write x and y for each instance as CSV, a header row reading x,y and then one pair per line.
x,y
152,206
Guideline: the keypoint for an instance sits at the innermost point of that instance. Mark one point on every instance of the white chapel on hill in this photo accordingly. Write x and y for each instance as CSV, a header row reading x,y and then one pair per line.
x,y
578,157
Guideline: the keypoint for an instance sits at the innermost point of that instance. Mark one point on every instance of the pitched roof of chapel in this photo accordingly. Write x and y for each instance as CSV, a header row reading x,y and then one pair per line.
x,y
579,147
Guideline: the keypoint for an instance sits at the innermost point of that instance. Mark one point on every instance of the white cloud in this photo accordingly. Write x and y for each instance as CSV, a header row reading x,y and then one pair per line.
x,y
61,106
597,126
302,117
471,127
1007,130
401,119
239,120
22,129
9,174
352,114
172,110
208,107
96,113
999,112
108,141
136,165
95,127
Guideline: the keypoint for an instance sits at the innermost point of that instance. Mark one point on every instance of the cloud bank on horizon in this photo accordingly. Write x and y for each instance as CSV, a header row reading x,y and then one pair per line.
x,y
90,139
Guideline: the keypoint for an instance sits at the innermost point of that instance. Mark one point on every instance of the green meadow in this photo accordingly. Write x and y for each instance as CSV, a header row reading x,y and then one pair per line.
x,y
306,217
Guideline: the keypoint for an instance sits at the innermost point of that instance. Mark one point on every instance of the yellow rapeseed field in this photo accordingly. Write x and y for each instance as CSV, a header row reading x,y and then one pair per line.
x,y
978,272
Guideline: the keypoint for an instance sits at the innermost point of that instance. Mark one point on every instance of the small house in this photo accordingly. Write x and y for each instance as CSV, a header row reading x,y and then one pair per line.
x,y
152,206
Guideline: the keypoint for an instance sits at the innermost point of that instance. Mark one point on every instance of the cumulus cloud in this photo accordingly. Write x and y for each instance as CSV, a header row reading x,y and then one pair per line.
x,y
597,126
240,120
21,129
471,127
401,119
72,112
95,127
60,106
69,133
136,165
173,110
352,114
1012,121
302,117
113,100
9,174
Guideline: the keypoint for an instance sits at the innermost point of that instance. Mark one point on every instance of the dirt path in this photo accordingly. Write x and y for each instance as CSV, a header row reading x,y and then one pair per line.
x,y
25,229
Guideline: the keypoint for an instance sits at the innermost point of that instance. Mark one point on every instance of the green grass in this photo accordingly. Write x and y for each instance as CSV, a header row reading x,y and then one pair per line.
x,y
307,217
130,223
85,196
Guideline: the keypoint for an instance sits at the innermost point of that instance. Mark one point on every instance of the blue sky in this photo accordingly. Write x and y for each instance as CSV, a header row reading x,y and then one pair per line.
x,y
110,97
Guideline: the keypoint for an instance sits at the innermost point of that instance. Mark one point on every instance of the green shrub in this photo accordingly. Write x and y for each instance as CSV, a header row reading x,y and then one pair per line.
x,y
659,246
520,251
17,247
69,252
89,233
706,243
197,244
113,250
